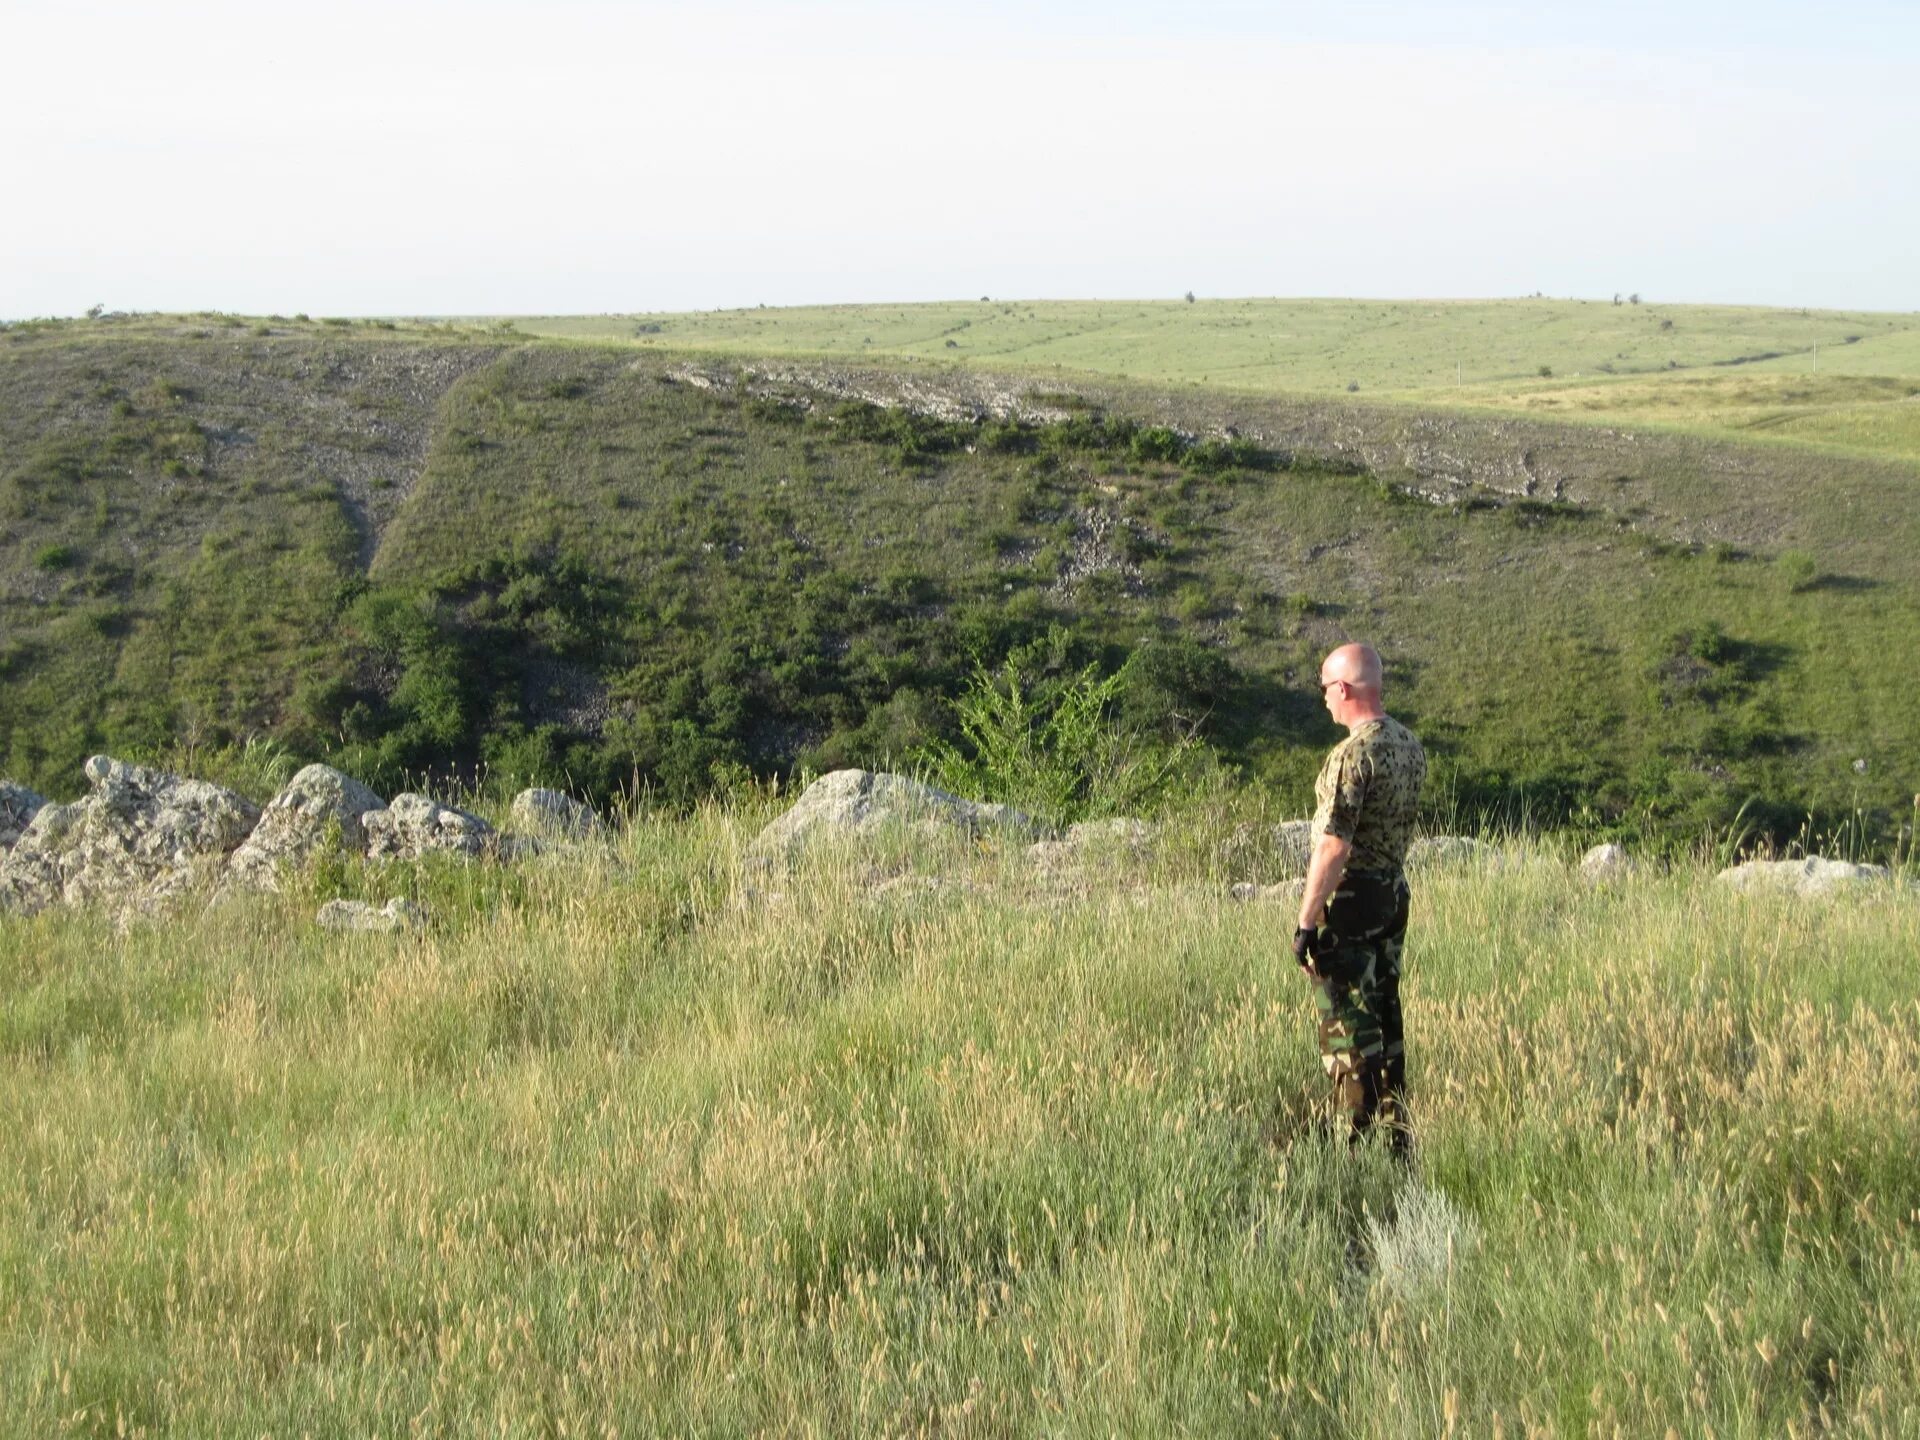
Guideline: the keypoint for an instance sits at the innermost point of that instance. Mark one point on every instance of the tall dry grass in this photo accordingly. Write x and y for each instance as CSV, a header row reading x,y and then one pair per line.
x,y
644,1142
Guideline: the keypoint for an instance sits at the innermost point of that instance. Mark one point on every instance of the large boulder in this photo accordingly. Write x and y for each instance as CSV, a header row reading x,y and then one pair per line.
x,y
846,804
550,815
18,806
316,801
413,826
1811,876
138,840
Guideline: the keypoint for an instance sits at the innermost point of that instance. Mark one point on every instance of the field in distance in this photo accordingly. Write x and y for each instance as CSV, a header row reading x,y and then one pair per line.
x,y
1844,379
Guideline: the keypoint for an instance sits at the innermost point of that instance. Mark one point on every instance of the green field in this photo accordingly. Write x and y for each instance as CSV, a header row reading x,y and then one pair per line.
x,y
1744,371
614,1149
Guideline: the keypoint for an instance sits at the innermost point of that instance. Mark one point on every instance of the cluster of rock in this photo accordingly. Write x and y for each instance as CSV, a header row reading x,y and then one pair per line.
x,y
849,804
141,839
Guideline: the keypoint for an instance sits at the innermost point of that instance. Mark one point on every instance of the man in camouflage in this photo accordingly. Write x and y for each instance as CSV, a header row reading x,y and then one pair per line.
x,y
1353,916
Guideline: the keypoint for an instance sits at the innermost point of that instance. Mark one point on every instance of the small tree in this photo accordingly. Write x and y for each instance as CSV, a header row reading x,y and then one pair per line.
x,y
1058,750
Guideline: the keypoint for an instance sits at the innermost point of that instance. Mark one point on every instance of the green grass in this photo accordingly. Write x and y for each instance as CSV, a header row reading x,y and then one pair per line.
x,y
1611,363
610,1148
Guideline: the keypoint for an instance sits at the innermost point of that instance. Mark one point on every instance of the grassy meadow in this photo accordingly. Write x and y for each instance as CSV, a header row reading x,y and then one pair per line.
x,y
646,1142
1839,379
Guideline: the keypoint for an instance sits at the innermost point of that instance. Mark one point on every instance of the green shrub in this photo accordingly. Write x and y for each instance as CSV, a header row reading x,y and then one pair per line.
x,y
1059,749
1157,442
55,557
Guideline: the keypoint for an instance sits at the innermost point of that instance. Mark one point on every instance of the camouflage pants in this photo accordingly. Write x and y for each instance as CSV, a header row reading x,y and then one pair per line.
x,y
1358,996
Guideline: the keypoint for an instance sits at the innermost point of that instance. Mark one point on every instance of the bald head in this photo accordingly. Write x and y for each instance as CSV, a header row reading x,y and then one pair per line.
x,y
1350,685
1358,665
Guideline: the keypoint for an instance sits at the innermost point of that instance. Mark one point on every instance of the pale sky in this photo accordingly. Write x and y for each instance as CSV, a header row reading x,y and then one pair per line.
x,y
501,157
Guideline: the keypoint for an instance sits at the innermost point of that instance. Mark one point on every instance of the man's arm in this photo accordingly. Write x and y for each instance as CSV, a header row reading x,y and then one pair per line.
x,y
1328,864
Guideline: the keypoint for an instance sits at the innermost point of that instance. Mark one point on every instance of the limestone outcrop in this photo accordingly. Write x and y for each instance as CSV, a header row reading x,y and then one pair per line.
x,y
413,825
1814,875
18,806
550,815
1434,850
138,841
317,802
847,804
1121,836
1269,851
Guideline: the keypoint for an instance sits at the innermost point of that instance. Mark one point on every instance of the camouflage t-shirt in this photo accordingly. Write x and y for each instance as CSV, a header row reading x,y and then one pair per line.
x,y
1368,791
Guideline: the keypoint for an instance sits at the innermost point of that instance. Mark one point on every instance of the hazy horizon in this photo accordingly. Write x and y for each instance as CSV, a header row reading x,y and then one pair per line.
x,y
589,157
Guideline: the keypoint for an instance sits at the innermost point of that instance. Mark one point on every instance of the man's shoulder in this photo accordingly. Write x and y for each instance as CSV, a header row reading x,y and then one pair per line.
x,y
1385,738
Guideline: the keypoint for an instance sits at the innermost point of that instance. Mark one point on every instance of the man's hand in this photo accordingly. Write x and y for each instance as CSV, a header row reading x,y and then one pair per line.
x,y
1304,938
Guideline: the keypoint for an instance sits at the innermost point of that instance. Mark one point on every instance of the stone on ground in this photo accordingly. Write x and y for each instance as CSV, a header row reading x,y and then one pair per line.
x,y
295,823
1084,837
1811,876
1287,892
1450,850
1278,851
138,841
1606,862
412,826
550,815
850,804
396,914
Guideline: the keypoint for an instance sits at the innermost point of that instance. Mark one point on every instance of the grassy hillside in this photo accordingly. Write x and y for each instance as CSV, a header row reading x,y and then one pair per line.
x,y
610,1150
1743,371
415,549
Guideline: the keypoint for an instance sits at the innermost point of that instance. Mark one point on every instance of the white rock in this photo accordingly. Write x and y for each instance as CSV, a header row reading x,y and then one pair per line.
x,y
1811,876
18,806
297,820
412,826
396,914
1122,833
1606,862
1119,830
1286,892
850,803
550,815
141,839
1450,850
1281,850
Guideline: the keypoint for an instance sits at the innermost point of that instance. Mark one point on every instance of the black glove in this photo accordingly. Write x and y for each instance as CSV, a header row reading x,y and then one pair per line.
x,y
1305,939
